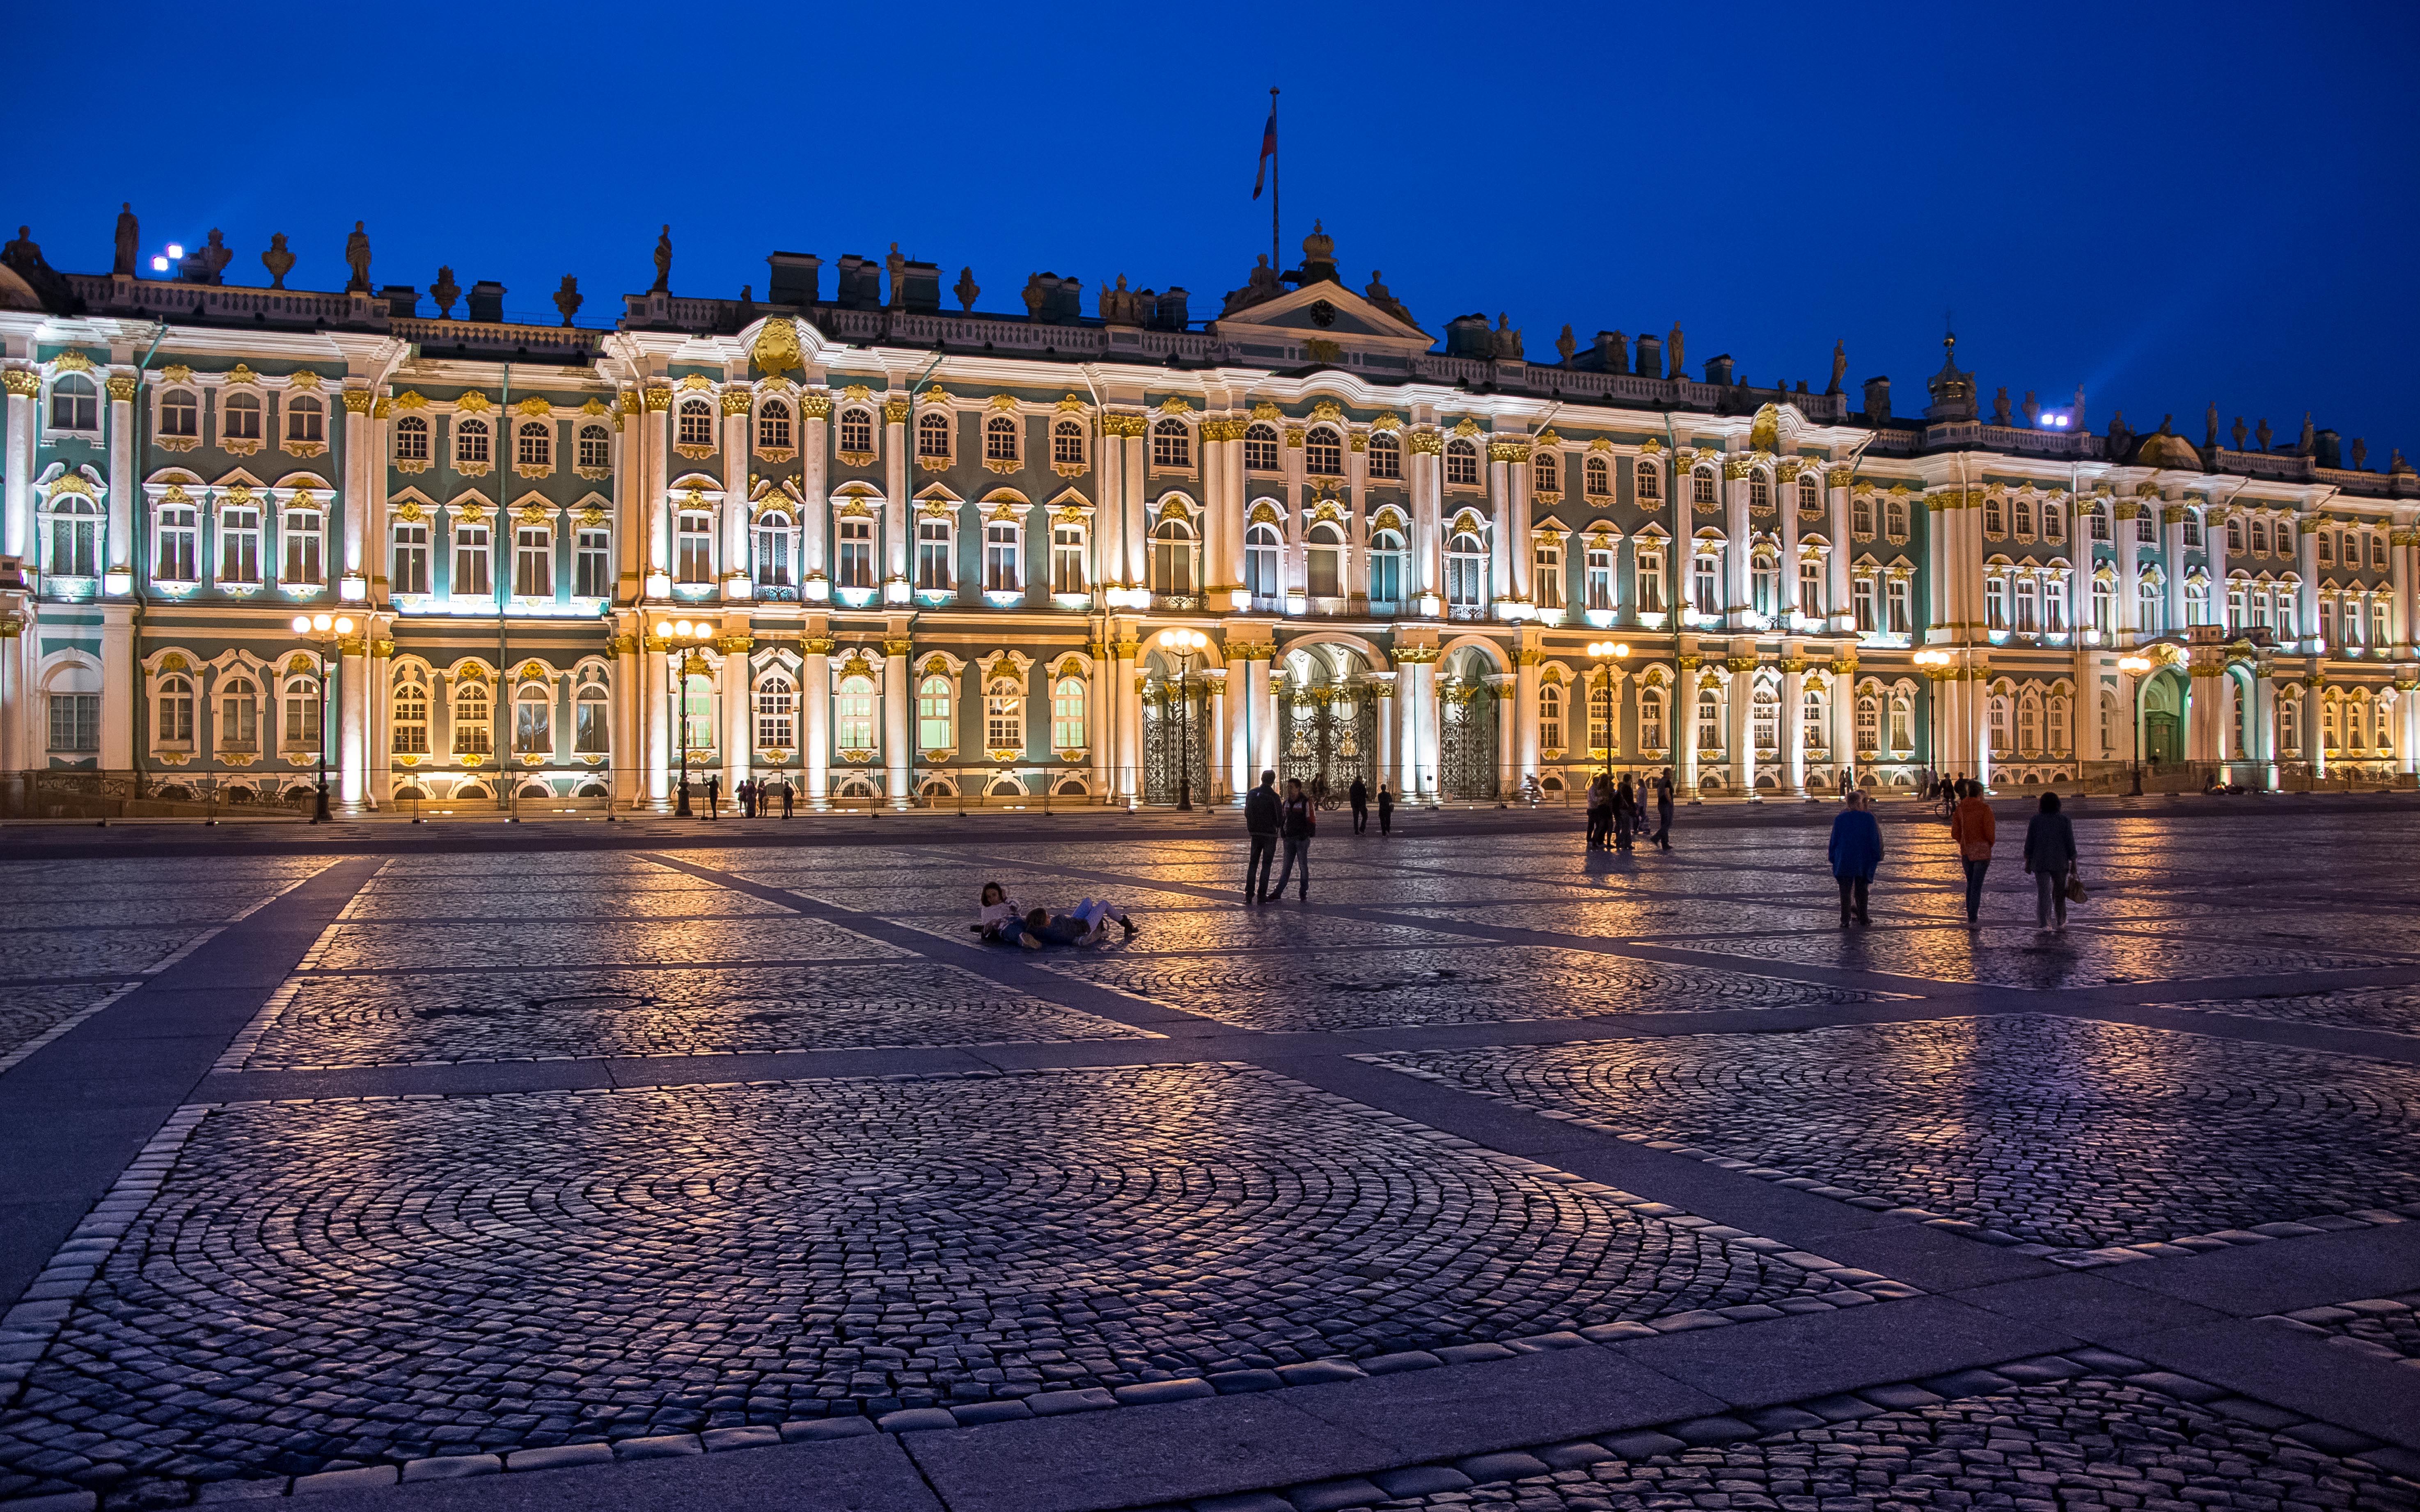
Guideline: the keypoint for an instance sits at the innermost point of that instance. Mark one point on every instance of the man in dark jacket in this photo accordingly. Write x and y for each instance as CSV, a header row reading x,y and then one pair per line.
x,y
1359,795
1386,807
1262,820
1857,852
1300,822
2050,856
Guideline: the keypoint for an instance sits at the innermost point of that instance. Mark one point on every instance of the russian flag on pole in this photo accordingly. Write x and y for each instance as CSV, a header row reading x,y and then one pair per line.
x,y
1268,151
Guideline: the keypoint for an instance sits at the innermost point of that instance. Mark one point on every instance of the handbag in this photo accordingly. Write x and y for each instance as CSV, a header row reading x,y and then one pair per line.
x,y
2075,893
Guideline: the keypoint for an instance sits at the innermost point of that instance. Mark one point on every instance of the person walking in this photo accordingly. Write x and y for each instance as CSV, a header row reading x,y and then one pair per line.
x,y
1664,810
713,793
1358,794
1264,820
789,795
1386,807
746,794
2050,858
1301,822
1973,828
1857,850
1625,814
1599,811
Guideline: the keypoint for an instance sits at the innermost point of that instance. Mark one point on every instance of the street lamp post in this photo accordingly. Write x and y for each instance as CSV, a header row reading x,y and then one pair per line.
x,y
684,637
1183,644
1601,651
2135,666
322,630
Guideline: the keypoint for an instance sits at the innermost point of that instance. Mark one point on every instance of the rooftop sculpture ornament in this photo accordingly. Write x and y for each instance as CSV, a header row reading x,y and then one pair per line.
x,y
277,261
357,258
663,262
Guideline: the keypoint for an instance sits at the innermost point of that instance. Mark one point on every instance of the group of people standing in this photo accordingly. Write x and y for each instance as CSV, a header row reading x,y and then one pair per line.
x,y
1617,813
1857,853
757,798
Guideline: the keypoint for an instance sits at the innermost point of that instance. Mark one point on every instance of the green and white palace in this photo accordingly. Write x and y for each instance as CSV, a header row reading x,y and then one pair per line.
x,y
903,554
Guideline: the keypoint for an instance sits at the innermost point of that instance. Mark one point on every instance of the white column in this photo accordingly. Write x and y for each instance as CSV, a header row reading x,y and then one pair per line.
x,y
380,696
814,715
14,701
1265,718
895,545
1356,534
1508,733
736,556
2260,731
125,489
738,733
1685,729
1240,664
360,472
2400,617
1097,719
1844,712
1230,471
17,469
1382,687
1428,751
2315,749
1737,601
628,784
352,722
1138,540
1109,509
120,686
1428,525
1793,720
1214,518
1785,502
815,457
1214,711
1524,557
2129,621
2172,544
655,734
1499,516
1525,700
898,700
2213,546
1839,615
1738,706
2306,563
656,427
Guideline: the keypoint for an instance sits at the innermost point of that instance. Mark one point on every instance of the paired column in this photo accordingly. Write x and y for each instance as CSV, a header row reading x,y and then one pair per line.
x,y
1138,540
2172,542
630,721
1525,700
1097,727
814,520
1428,542
1108,513
898,700
17,469
1501,685
380,695
1793,724
814,717
1741,709
657,429
1843,668
1738,603
895,545
125,489
1500,514
739,735
1785,500
2129,621
352,722
364,460
2306,561
1126,702
1684,727
737,569
656,736
1382,687
1244,663
2213,546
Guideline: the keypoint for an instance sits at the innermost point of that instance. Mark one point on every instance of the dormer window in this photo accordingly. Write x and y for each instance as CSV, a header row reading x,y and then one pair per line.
x,y
180,414
305,419
75,404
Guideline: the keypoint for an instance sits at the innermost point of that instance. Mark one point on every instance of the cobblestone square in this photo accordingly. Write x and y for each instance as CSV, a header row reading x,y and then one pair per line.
x,y
510,942
2014,956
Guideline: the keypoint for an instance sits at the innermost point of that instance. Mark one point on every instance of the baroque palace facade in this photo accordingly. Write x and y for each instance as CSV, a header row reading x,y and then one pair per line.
x,y
928,555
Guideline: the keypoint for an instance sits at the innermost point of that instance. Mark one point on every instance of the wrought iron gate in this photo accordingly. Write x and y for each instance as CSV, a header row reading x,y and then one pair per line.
x,y
1166,725
1328,737
1467,742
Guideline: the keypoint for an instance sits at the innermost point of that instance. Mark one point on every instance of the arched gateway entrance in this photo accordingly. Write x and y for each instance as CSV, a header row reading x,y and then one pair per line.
x,y
1327,720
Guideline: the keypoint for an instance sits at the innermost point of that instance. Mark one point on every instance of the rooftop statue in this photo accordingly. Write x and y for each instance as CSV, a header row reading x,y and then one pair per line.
x,y
2210,421
277,261
357,258
130,241
1672,346
663,263
211,258
1840,366
1378,294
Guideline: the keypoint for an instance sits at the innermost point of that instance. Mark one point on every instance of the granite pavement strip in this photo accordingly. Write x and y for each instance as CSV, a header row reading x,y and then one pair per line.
x,y
2209,1317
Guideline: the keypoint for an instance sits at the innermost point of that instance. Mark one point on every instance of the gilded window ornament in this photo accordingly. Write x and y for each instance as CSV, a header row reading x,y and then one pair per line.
x,y
1466,426
238,373
1265,411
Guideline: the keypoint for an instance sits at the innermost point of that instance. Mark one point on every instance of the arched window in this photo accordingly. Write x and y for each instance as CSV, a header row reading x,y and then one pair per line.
x,y
1547,572
933,434
1811,587
239,418
1386,455
173,724
2148,601
1650,722
75,536
1069,729
533,446
1550,718
1764,583
777,701
472,708
1995,514
471,443
2054,524
693,547
1460,465
180,414
1701,486
2104,606
596,448
1814,724
856,432
2289,728
1764,720
1325,561
1759,492
1596,579
1996,719
1466,573
301,698
412,439
1895,519
75,404
1546,472
1861,514
410,710
1261,551
773,426
306,419
1596,479
1650,481
1000,438
695,423
1068,444
1869,725
1650,574
1710,721
2147,527
2191,527
936,731
1003,714
533,720
777,536
592,728
1260,447
72,703
1385,567
1067,557
2197,602
1171,556
1705,593
853,713
854,564
2058,725
2028,606
1322,452
2330,740
1995,602
1902,723
240,716
1811,499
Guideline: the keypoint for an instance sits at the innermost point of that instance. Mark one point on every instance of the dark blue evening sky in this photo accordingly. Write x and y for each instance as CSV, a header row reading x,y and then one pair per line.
x,y
2167,206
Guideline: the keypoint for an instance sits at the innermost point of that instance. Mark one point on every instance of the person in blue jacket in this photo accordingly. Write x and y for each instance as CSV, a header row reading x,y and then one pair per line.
x,y
1857,850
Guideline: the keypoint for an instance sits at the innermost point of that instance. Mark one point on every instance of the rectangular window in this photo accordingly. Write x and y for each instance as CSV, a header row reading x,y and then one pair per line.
x,y
471,580
933,575
1995,604
532,726
411,571
303,546
1600,577
694,548
1703,592
1651,580
592,564
1385,576
1902,619
75,722
856,563
239,545
534,562
1005,721
1067,558
1862,596
176,557
589,726
999,560
1548,590
1810,589
301,716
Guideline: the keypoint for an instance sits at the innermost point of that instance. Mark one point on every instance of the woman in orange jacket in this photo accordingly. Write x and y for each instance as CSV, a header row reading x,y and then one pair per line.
x,y
1972,826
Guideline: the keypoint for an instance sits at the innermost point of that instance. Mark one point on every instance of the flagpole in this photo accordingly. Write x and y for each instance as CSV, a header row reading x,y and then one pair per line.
x,y
1277,260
